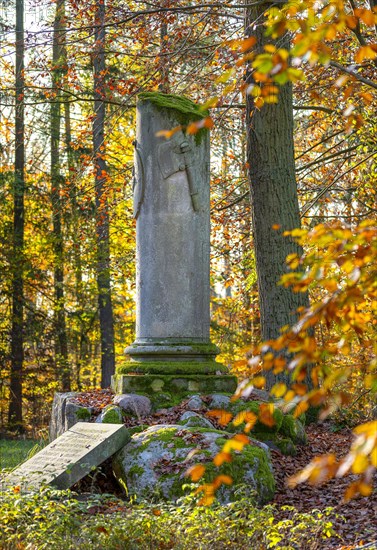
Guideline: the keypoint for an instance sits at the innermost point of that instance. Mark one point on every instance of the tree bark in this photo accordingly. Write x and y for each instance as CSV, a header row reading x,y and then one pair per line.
x,y
58,61
15,416
273,192
102,208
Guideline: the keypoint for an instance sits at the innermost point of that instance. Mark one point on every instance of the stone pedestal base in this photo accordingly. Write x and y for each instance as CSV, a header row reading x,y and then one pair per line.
x,y
173,385
168,370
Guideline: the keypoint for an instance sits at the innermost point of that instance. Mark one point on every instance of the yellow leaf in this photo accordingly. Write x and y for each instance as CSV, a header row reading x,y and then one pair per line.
x,y
300,409
212,102
259,102
373,457
225,76
258,381
243,438
365,52
365,489
278,390
360,464
270,48
271,99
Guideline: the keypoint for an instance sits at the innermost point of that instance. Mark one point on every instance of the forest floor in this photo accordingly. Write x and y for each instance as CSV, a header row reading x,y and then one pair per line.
x,y
356,523
357,519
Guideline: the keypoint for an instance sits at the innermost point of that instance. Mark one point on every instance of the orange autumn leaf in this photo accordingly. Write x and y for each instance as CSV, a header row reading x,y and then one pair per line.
x,y
247,43
168,133
196,472
266,411
222,479
222,457
365,52
223,417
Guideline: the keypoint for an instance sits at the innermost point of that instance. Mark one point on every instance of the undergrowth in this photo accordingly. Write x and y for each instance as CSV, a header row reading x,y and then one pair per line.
x,y
63,520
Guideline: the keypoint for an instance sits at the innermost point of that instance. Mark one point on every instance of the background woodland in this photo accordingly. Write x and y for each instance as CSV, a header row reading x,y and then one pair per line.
x,y
71,71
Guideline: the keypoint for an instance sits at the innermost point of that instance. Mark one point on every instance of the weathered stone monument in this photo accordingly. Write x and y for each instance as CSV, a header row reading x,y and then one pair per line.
x,y
172,351
69,457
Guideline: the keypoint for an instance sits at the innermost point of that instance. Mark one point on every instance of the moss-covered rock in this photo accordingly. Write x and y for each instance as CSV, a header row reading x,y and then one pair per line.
x,y
192,419
254,407
277,442
83,414
111,415
294,429
155,461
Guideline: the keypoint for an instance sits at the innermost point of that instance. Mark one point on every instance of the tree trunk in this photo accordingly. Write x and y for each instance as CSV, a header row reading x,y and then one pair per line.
x,y
273,191
58,61
102,209
17,341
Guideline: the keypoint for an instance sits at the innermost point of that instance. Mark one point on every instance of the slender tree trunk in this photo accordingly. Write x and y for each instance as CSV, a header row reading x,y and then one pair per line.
x,y
17,354
75,235
164,72
61,344
102,208
273,190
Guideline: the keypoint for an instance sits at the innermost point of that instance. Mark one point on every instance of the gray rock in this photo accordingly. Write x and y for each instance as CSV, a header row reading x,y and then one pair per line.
x,y
66,413
192,419
154,463
195,403
219,401
253,394
110,415
134,404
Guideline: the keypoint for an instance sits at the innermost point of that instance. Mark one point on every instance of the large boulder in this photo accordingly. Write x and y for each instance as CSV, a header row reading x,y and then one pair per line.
x,y
154,463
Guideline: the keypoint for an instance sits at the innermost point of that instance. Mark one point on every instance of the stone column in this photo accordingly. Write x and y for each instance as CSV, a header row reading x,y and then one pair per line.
x,y
172,211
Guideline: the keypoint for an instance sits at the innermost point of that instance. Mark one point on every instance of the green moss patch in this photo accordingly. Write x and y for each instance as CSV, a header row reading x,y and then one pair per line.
x,y
83,413
171,367
275,441
185,110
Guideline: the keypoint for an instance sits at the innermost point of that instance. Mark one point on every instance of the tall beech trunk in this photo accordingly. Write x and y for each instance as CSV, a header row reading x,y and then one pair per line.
x,y
273,191
58,62
17,341
74,218
102,208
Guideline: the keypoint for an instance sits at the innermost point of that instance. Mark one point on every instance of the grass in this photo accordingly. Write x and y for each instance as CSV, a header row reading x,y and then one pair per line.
x,y
15,451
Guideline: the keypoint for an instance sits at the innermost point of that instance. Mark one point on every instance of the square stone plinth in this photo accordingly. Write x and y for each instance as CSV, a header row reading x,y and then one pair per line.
x,y
152,384
69,457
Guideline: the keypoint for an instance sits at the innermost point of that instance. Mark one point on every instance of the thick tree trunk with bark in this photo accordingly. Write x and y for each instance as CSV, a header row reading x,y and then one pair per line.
x,y
58,61
102,209
273,191
15,417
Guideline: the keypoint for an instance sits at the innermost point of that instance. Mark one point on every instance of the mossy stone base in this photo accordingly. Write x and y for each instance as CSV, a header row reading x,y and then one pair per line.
x,y
172,367
152,384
